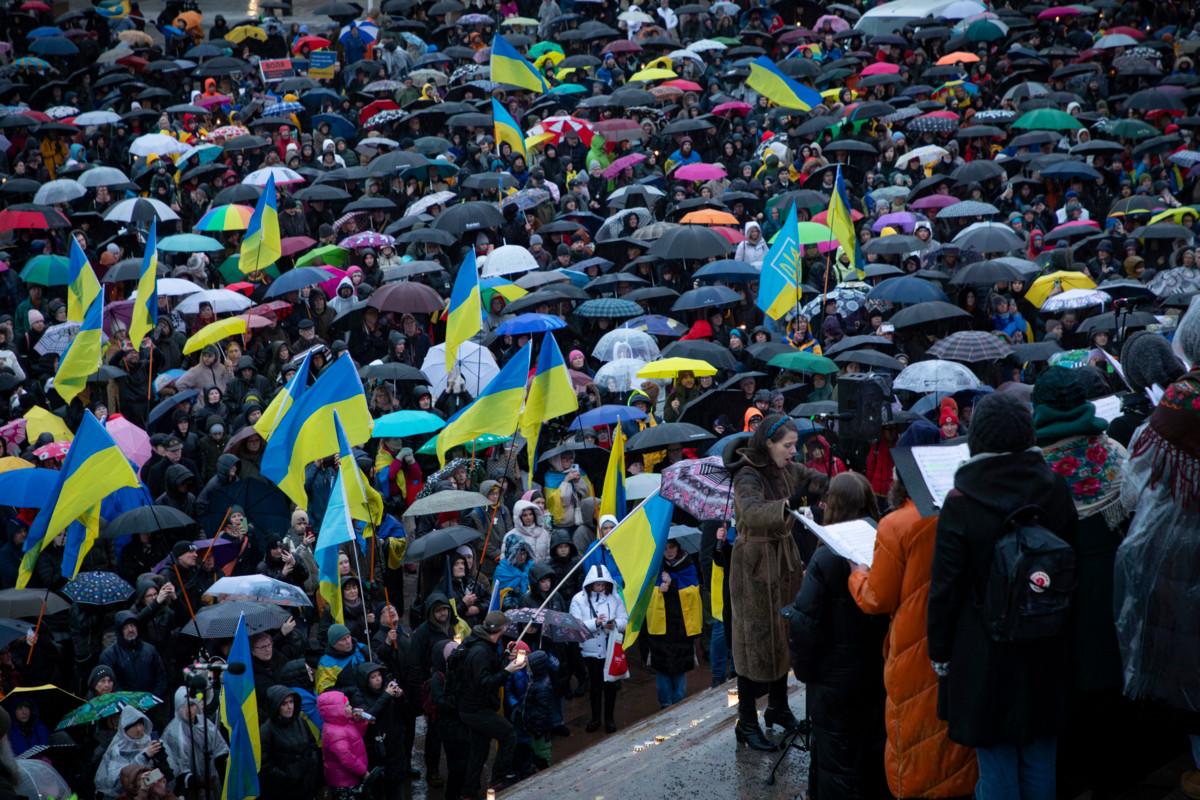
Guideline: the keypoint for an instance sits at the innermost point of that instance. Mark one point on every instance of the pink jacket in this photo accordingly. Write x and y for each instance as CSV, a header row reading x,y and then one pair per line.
x,y
341,741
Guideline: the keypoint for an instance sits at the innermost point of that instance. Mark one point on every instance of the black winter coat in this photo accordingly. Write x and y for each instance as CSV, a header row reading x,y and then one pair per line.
x,y
137,665
291,760
481,675
996,693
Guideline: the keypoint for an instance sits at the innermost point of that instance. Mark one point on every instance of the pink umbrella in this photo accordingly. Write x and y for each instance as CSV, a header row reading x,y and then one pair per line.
x,y
732,235
933,201
13,434
133,441
732,107
1059,11
55,451
700,172
117,316
837,23
881,68
330,286
614,169
214,100
291,245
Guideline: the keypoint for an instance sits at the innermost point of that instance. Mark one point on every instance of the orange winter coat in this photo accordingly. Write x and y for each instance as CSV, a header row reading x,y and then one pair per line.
x,y
921,761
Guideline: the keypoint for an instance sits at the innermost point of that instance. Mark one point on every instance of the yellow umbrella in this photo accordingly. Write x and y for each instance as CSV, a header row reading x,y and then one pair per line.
x,y
1042,288
538,139
38,421
9,463
243,32
662,62
671,367
1175,214
551,56
654,74
214,332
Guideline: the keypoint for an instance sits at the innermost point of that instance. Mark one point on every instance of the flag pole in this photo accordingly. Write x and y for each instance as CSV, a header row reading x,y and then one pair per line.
x,y
362,592
37,627
492,516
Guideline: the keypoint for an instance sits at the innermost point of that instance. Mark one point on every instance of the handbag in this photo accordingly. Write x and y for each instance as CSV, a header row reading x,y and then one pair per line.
x,y
616,664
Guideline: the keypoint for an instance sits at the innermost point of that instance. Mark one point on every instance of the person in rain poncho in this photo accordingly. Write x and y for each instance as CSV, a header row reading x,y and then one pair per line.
x,y
132,744
189,737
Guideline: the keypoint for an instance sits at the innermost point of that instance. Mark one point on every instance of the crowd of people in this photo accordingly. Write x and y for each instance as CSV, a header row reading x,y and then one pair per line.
x,y
996,210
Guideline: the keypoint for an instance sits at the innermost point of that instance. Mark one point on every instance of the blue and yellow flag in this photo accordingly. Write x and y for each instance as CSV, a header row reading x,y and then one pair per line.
x,y
464,318
94,468
510,67
260,247
114,9
82,287
282,402
337,528
612,496
82,356
364,502
306,432
145,310
840,221
767,79
239,714
507,129
779,285
636,547
496,410
551,394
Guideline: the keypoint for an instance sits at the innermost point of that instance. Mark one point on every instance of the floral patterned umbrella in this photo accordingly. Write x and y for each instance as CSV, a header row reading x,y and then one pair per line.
x,y
702,487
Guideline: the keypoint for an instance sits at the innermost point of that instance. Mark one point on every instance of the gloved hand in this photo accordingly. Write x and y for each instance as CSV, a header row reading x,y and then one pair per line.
x,y
406,455
799,498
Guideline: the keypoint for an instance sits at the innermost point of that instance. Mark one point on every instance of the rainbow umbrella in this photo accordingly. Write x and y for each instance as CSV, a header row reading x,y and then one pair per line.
x,y
231,217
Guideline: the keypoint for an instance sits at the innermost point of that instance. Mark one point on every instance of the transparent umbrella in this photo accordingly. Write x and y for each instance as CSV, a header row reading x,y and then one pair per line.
x,y
935,376
620,375
39,780
475,364
626,343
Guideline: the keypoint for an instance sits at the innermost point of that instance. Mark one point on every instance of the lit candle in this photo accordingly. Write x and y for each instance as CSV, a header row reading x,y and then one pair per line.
x,y
732,697
491,794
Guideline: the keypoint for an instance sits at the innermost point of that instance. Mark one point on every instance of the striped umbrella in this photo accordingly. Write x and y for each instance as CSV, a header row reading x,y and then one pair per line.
x,y
608,307
283,109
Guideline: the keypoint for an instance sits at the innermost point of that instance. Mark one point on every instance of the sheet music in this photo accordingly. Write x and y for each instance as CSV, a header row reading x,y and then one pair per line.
x,y
938,465
1108,408
853,540
1155,393
1116,365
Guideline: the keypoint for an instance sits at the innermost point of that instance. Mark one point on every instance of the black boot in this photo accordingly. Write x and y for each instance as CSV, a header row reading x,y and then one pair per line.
x,y
748,733
783,717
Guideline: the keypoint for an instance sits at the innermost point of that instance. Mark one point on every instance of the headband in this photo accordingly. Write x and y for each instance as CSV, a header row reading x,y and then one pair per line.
x,y
777,425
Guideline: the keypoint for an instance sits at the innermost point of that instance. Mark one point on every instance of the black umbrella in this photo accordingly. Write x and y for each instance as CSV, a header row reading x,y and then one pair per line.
x,y
265,505
146,519
921,313
472,216
715,354
855,342
221,621
321,191
436,542
870,358
668,433
706,297
393,372
695,242
1111,320
242,193
28,602
13,629
765,351
170,403
985,273
817,408
1037,351
896,245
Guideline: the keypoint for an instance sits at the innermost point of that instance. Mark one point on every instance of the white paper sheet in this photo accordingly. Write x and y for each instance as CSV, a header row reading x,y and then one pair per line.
x,y
1107,408
853,540
938,465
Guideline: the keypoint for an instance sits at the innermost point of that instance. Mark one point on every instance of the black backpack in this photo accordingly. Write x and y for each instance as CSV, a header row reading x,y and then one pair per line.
x,y
1030,583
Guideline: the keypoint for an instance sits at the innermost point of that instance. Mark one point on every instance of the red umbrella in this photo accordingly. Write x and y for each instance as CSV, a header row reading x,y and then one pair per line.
x,y
855,216
618,128
622,46
28,216
371,109
685,85
732,107
278,308
730,234
313,42
290,245
406,298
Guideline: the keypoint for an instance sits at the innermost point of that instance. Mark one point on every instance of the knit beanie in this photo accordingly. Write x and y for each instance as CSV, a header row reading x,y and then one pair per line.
x,y
1147,359
920,433
335,633
1000,424
1061,408
1058,387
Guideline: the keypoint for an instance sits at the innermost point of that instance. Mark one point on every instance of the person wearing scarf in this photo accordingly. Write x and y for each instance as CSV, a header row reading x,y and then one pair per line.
x,y
1157,585
1074,444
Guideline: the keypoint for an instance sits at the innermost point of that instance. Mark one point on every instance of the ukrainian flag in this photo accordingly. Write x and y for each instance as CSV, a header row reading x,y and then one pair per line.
x,y
612,496
496,410
779,284
766,79
337,528
507,129
239,714
283,401
551,394
636,548
304,433
260,247
464,318
82,286
94,468
82,356
686,581
364,502
510,67
114,10
145,310
840,221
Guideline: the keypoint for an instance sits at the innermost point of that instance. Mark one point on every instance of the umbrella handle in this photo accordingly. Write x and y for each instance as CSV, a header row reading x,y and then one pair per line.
x,y
187,601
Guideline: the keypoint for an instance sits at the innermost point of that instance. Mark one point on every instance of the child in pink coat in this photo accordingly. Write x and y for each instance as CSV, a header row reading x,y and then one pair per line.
x,y
342,741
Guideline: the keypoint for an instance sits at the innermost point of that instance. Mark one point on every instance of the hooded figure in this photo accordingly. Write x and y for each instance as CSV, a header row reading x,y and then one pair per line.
x,y
342,741
599,607
130,745
345,299
753,249
529,531
226,474
188,737
291,759
29,732
511,578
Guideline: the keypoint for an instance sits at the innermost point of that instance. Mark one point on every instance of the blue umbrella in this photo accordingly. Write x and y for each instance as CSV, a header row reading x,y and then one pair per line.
x,y
606,415
706,297
906,290
190,243
45,30
728,269
337,124
530,323
283,109
315,98
406,423
170,403
657,325
295,280
609,307
98,589
718,447
53,46
25,488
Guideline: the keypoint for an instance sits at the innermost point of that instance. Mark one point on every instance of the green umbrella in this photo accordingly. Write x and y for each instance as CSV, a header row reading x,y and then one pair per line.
x,y
801,361
538,49
326,254
232,274
106,705
728,41
190,243
1130,129
569,88
481,443
1047,119
47,270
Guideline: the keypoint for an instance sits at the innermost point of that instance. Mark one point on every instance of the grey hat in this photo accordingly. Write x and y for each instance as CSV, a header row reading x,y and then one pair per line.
x,y
1000,424
1148,360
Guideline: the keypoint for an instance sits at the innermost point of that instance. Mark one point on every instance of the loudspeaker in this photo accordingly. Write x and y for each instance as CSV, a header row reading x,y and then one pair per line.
x,y
862,398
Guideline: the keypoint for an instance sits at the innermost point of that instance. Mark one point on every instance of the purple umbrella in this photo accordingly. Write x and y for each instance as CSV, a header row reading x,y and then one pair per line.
x,y
614,169
904,220
933,201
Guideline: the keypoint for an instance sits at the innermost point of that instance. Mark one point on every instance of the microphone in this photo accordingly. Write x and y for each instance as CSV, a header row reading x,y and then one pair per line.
x,y
233,668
